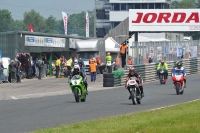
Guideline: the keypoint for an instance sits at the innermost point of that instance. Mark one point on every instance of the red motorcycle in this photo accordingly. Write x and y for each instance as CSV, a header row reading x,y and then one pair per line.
x,y
178,80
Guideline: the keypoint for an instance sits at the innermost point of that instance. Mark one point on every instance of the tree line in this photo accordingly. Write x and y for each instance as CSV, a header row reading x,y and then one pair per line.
x,y
187,4
76,23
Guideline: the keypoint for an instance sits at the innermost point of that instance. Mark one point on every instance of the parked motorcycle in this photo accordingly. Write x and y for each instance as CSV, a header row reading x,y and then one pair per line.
x,y
135,91
162,77
178,80
22,73
78,88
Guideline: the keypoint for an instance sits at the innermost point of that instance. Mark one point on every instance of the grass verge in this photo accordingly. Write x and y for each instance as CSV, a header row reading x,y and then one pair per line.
x,y
183,118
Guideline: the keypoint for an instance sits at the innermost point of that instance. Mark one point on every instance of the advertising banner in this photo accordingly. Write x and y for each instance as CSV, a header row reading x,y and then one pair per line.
x,y
64,15
44,41
169,19
87,25
179,51
170,49
166,50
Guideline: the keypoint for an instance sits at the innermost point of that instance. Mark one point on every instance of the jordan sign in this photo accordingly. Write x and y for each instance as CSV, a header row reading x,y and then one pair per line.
x,y
164,20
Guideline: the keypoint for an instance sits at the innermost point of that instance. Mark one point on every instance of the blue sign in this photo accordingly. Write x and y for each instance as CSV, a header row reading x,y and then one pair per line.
x,y
49,40
0,54
166,50
31,39
179,51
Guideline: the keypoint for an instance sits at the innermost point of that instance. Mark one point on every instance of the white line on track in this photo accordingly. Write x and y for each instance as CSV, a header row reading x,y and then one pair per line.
x,y
13,97
173,105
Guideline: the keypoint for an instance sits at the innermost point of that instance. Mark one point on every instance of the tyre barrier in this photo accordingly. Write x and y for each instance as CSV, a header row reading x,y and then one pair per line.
x,y
108,80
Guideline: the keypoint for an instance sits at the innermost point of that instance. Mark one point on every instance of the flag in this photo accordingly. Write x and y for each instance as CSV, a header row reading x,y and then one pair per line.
x,y
31,29
87,25
65,22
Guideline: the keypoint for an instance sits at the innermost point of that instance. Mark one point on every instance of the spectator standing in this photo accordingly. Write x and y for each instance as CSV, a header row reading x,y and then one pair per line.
x,y
18,65
109,62
12,68
130,62
117,60
123,54
99,65
69,66
58,61
82,66
93,70
40,65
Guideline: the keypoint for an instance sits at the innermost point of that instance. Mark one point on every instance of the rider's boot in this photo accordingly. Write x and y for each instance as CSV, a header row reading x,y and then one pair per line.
x,y
141,90
130,93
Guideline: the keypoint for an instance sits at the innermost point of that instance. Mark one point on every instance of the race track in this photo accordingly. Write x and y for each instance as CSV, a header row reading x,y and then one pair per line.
x,y
32,114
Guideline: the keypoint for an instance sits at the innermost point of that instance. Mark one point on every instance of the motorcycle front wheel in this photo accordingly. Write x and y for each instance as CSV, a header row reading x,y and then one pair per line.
x,y
177,89
133,96
76,94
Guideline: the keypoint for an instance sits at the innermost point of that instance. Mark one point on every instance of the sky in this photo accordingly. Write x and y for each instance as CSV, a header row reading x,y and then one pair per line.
x,y
46,7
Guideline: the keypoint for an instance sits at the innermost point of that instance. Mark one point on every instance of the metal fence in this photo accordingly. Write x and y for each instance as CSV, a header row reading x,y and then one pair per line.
x,y
168,50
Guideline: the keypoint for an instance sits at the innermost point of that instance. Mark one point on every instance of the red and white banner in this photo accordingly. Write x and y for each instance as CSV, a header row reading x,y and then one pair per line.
x,y
65,22
87,25
164,20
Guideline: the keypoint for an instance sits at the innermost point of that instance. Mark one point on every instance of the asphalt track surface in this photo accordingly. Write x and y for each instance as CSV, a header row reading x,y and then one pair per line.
x,y
31,114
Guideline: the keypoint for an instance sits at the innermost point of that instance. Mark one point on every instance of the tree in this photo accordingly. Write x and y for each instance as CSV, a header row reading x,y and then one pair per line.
x,y
51,25
6,20
19,25
174,5
34,18
77,24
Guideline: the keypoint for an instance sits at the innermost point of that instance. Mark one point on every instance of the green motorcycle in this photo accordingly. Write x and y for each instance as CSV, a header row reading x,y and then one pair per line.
x,y
78,88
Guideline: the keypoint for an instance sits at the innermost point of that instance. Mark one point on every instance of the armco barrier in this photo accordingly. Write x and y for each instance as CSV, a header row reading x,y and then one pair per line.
x,y
149,73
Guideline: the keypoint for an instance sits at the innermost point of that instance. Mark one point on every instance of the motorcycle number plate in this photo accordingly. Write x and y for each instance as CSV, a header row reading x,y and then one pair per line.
x,y
132,82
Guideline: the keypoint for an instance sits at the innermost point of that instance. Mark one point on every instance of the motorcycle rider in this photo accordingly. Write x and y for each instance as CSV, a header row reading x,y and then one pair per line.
x,y
175,66
77,71
180,69
132,73
164,66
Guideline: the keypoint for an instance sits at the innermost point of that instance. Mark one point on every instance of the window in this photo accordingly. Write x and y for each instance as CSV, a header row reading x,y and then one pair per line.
x,y
123,7
151,6
166,6
100,32
130,6
144,6
86,56
137,6
101,14
116,7
158,6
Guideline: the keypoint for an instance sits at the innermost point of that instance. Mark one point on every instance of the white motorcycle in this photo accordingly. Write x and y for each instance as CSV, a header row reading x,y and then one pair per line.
x,y
135,91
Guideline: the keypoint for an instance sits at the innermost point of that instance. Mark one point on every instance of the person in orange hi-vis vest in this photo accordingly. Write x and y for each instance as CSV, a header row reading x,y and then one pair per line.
x,y
123,54
117,60
130,61
93,70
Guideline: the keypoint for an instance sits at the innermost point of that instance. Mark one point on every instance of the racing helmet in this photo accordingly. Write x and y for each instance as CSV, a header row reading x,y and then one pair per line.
x,y
75,61
179,65
162,62
131,69
76,70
